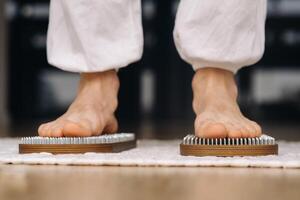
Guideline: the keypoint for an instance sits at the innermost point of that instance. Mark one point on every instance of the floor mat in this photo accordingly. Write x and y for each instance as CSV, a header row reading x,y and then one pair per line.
x,y
151,153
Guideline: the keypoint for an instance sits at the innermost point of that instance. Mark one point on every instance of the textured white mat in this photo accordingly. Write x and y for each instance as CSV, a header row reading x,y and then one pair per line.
x,y
151,153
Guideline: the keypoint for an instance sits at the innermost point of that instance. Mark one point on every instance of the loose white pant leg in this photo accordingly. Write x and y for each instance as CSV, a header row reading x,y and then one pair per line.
x,y
94,35
226,34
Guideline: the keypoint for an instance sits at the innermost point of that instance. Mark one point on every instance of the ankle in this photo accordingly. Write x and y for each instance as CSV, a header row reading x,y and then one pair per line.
x,y
213,81
102,80
98,76
213,88
213,75
100,89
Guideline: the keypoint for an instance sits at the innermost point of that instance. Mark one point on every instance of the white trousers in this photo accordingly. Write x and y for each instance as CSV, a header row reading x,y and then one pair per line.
x,y
98,35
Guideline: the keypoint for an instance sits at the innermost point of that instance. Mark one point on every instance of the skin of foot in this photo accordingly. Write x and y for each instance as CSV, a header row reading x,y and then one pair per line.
x,y
92,111
215,105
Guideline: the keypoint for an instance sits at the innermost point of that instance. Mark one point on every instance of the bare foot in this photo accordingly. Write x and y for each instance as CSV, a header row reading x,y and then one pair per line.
x,y
92,112
215,104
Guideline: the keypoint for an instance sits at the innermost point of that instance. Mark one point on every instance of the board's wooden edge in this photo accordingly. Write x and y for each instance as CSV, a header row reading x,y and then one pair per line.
x,y
76,148
228,150
118,147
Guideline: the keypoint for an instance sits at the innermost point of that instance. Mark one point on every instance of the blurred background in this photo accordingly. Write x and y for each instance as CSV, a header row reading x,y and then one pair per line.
x,y
155,96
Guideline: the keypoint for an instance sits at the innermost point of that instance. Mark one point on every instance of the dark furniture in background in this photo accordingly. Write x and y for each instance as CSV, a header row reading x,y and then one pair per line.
x,y
171,93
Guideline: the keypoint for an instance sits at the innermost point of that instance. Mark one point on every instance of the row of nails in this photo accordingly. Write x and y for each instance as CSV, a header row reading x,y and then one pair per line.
x,y
262,140
112,138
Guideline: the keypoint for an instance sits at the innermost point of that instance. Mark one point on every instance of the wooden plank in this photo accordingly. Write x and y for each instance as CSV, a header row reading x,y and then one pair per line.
x,y
76,148
228,150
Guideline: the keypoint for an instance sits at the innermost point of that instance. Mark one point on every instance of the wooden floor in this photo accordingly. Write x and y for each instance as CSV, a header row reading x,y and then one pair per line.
x,y
143,183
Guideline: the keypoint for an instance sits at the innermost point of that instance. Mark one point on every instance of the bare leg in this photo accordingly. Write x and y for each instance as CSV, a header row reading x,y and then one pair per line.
x,y
92,111
218,114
